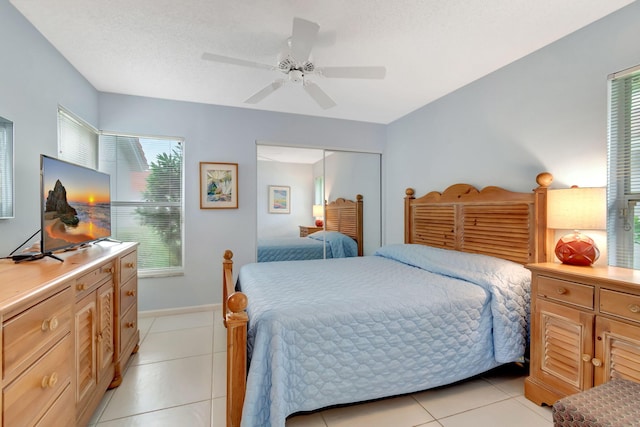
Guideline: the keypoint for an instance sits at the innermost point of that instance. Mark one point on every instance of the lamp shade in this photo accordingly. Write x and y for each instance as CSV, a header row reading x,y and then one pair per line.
x,y
577,209
318,213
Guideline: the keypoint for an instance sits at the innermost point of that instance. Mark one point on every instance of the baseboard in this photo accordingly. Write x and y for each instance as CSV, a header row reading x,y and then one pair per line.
x,y
179,310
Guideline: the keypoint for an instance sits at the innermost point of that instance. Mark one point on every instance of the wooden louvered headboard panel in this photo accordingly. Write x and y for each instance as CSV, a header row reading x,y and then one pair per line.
x,y
345,216
493,221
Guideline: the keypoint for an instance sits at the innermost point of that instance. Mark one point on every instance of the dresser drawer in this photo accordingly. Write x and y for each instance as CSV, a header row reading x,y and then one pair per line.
x,y
128,266
29,334
32,393
86,282
128,294
59,414
620,304
128,327
565,291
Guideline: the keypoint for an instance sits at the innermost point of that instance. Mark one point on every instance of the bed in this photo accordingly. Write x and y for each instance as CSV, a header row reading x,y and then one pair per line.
x,y
343,236
450,303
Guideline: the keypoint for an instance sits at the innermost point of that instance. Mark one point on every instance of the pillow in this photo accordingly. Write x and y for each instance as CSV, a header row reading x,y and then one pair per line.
x,y
474,268
341,245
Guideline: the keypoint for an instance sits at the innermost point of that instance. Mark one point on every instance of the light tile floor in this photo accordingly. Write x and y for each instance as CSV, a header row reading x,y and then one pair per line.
x,y
177,378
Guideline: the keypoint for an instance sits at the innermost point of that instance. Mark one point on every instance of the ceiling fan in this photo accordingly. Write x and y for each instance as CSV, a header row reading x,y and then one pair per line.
x,y
296,64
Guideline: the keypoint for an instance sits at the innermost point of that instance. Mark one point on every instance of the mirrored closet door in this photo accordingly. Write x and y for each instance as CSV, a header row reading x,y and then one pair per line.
x,y
293,183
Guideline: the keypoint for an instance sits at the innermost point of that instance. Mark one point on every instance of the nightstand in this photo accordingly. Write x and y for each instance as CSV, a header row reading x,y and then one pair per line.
x,y
306,230
585,329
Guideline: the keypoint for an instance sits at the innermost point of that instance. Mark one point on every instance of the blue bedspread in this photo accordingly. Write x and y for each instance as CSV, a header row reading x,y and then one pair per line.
x,y
326,332
305,248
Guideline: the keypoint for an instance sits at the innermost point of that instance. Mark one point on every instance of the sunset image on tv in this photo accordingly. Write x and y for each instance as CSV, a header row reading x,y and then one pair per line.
x,y
77,206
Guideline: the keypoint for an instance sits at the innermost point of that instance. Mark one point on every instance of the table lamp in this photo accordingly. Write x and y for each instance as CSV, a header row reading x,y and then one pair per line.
x,y
577,209
318,213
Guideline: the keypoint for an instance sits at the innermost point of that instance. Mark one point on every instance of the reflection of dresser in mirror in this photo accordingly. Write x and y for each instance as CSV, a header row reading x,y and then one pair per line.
x,y
305,230
316,175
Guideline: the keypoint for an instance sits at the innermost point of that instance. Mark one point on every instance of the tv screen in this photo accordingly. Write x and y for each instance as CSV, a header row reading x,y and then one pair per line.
x,y
75,205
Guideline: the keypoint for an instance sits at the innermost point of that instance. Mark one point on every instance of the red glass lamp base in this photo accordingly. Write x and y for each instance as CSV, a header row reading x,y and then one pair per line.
x,y
577,249
319,223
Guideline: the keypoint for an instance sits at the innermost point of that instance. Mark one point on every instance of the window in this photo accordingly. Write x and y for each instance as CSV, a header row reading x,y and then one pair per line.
x,y
6,168
318,190
146,188
147,198
623,222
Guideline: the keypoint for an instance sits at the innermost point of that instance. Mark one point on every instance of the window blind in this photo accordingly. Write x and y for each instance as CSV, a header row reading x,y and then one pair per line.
x,y
77,140
623,223
6,169
147,198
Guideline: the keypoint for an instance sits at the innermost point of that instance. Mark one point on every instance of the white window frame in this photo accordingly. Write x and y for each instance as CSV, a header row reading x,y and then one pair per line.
x,y
623,187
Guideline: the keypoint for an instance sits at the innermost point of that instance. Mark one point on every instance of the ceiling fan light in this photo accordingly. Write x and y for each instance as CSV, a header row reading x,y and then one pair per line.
x,y
296,76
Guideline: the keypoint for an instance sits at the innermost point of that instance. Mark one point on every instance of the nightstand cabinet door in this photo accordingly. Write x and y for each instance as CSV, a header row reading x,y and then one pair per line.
x,y
563,347
617,351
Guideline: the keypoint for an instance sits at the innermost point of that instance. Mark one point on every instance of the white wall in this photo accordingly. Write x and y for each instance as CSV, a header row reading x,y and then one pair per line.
x,y
34,80
545,112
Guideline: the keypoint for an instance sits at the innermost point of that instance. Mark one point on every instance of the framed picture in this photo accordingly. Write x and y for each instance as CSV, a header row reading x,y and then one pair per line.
x,y
218,185
279,199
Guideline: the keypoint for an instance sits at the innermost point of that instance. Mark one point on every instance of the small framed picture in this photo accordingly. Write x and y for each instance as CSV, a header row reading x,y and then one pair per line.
x,y
279,199
218,185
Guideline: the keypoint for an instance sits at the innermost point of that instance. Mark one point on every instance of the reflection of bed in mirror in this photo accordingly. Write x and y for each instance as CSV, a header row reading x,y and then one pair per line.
x,y
342,236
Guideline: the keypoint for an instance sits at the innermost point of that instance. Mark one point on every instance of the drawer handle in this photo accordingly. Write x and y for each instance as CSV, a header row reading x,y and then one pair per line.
x,y
561,291
596,362
50,324
586,357
130,265
49,381
107,270
131,293
129,324
634,308
81,286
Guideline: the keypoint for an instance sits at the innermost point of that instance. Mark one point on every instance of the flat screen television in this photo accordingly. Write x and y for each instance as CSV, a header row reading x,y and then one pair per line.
x,y
75,205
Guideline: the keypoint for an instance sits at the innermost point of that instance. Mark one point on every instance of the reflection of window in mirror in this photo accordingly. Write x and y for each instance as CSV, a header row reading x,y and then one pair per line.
x,y
6,168
318,190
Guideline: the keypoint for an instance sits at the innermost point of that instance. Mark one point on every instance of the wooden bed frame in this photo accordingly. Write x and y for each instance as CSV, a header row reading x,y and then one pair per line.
x,y
345,216
493,221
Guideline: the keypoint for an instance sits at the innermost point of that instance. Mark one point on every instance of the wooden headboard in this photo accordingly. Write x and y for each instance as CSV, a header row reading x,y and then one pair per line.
x,y
492,221
345,216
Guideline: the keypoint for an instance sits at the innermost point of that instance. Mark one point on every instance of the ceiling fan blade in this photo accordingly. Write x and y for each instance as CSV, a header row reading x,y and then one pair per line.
x,y
262,94
303,37
353,72
319,95
235,61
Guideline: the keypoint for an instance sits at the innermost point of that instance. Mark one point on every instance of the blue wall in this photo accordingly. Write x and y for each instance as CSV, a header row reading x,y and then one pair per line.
x,y
545,112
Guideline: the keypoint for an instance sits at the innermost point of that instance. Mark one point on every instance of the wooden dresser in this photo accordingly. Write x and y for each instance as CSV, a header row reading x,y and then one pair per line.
x,y
585,329
306,230
68,330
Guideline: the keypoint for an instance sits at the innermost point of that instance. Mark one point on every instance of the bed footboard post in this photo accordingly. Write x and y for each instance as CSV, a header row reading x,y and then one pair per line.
x,y
235,320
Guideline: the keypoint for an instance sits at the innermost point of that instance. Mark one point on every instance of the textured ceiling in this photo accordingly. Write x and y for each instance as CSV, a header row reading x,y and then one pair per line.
x,y
429,47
